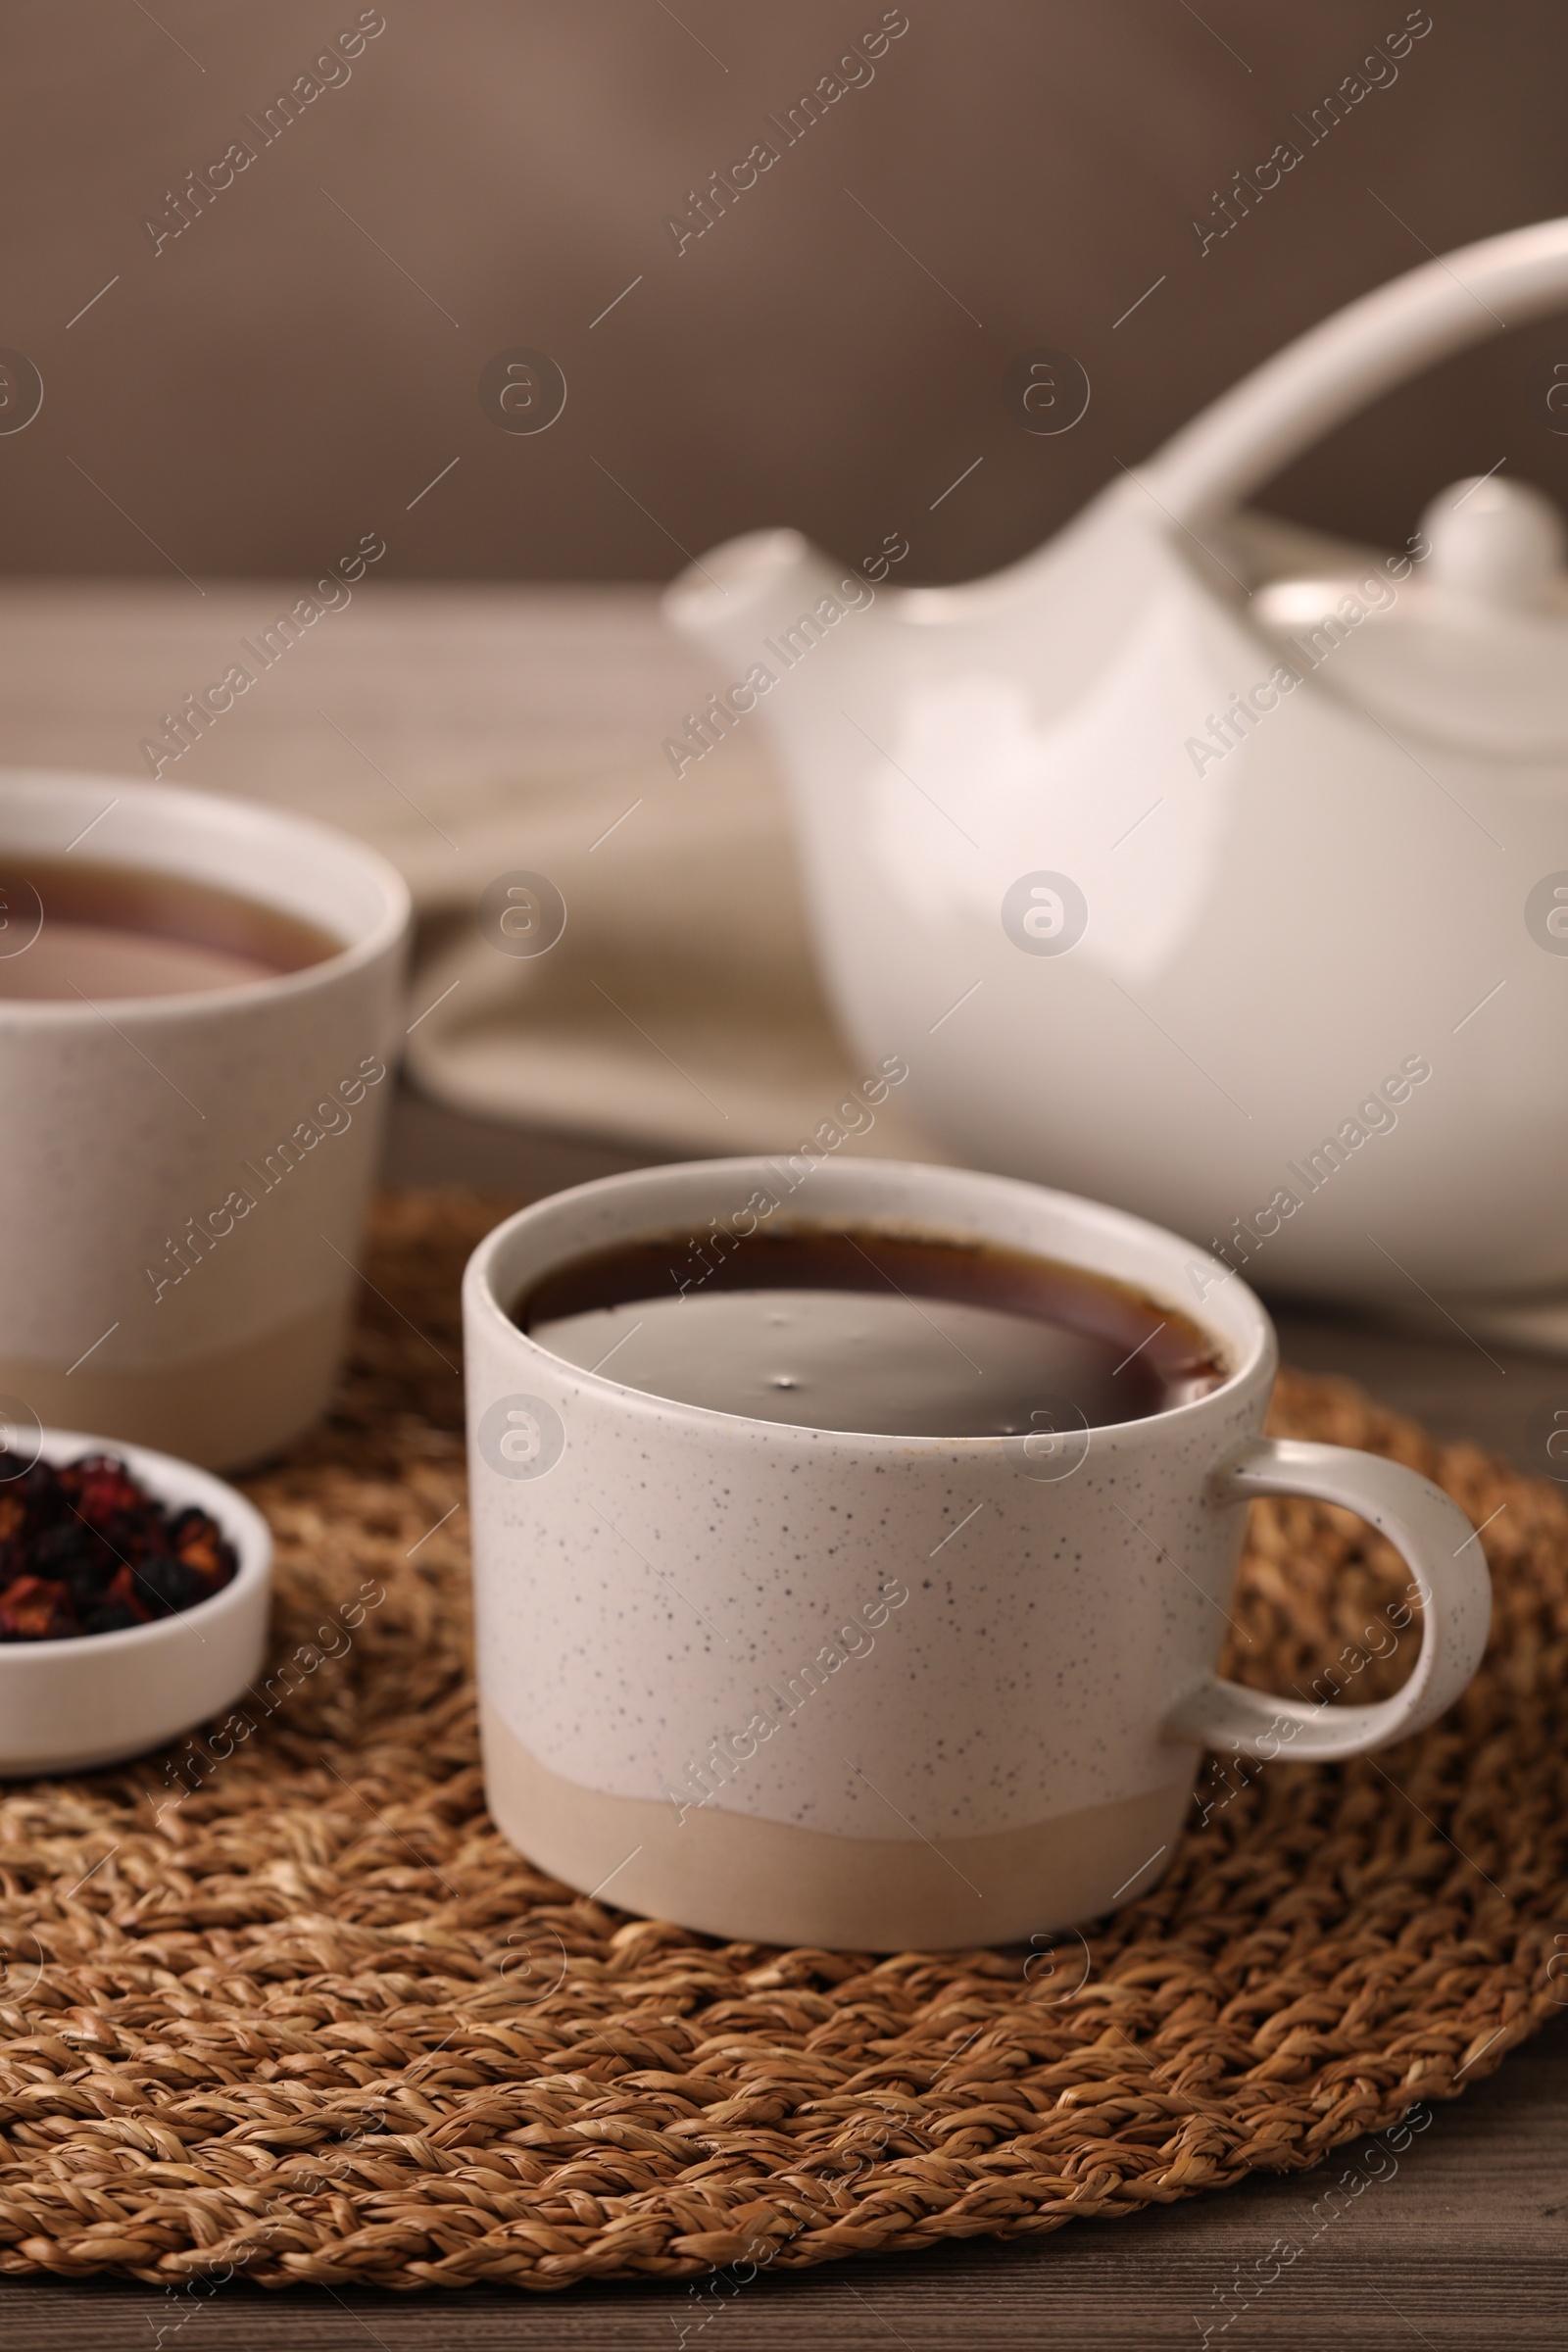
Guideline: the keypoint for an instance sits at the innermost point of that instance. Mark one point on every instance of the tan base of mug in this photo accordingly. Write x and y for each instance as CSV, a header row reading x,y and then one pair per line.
x,y
223,1411
766,1882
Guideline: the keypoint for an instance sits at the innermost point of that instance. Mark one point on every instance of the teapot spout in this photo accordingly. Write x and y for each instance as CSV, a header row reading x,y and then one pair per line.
x,y
752,588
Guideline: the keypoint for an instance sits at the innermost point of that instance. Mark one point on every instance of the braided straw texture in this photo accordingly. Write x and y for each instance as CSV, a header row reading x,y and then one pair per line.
x,y
313,2020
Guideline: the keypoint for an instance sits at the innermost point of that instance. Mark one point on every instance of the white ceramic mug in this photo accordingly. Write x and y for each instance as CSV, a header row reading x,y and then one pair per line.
x,y
184,1178
804,1687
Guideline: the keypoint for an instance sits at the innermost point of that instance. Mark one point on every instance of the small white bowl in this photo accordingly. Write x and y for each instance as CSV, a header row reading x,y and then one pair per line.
x,y
97,1698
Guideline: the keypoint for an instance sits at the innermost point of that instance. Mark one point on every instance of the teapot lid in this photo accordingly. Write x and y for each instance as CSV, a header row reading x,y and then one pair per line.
x,y
1464,639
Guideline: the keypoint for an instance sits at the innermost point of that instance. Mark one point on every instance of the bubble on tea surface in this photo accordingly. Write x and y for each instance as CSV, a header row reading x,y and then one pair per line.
x,y
521,1437
20,391
521,390
20,914
21,1436
1045,913
1046,390
1547,914
1056,1442
522,913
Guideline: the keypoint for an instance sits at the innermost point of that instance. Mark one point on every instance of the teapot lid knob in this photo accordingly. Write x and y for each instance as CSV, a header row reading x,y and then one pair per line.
x,y
1495,542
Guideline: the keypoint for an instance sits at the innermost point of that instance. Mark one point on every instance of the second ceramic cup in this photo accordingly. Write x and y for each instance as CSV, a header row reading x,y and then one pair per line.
x,y
809,1686
184,1178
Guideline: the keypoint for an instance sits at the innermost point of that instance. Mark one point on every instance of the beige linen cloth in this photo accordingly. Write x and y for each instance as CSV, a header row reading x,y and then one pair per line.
x,y
679,1008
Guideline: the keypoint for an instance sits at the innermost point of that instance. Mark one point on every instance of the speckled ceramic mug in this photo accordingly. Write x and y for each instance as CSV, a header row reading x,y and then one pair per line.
x,y
802,1687
184,1178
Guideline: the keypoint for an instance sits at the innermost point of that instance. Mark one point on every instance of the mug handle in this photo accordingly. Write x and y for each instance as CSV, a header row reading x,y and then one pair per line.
x,y
1444,1555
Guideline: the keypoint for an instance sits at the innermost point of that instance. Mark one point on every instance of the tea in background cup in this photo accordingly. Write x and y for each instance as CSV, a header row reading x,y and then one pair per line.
x,y
198,1008
854,1548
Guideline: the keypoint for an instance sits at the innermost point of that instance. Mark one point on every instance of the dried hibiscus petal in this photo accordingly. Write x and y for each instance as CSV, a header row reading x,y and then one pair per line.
x,y
29,1610
85,1549
195,1539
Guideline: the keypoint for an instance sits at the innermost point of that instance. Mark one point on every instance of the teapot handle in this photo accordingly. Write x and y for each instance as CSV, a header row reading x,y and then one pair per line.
x,y
1326,375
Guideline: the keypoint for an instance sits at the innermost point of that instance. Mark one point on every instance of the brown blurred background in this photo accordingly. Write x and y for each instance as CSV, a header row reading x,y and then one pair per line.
x,y
292,370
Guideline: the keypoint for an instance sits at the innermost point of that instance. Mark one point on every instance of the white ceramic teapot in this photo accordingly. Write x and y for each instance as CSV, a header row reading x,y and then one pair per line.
x,y
1203,864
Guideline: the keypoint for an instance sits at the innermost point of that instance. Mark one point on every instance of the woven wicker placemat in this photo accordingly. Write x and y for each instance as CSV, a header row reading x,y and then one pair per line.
x,y
297,2013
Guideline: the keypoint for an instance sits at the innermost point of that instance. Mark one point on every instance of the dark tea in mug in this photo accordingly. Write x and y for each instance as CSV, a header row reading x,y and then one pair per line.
x,y
865,1330
73,928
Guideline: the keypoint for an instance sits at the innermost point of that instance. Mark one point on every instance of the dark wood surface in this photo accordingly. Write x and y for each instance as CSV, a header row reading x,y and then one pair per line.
x,y
1465,2245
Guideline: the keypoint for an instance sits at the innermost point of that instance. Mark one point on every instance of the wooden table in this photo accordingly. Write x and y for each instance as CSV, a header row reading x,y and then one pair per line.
x,y
1463,2246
